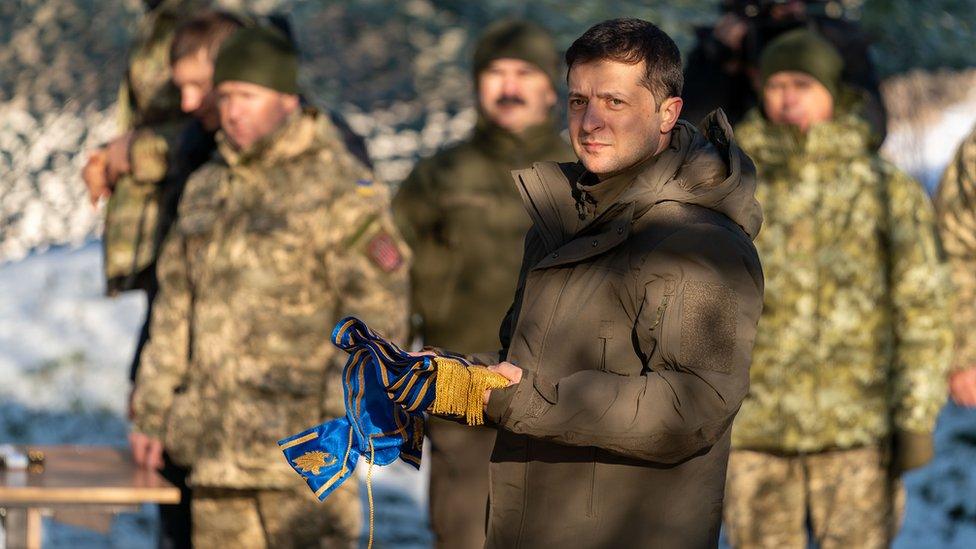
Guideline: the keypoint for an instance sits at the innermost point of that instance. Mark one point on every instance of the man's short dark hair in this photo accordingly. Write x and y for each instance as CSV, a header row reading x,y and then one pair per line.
x,y
206,31
632,41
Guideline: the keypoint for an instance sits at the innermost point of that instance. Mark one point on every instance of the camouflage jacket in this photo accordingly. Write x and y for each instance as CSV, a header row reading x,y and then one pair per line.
x,y
272,247
956,206
854,339
149,106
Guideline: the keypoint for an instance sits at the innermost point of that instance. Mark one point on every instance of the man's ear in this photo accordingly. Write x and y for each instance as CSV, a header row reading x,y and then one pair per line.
x,y
670,111
292,102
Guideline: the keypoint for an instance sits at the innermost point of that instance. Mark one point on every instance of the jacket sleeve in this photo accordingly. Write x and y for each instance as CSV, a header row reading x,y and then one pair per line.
x,y
920,299
956,205
165,359
698,305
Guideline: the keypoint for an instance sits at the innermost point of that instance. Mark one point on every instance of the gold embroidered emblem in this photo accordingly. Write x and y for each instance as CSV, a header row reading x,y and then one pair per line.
x,y
311,462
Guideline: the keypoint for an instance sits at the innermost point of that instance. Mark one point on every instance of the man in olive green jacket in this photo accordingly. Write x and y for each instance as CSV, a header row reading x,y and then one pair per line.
x,y
848,373
463,217
629,340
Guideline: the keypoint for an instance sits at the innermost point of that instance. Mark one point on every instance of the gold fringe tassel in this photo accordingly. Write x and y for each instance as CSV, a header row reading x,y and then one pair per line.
x,y
460,389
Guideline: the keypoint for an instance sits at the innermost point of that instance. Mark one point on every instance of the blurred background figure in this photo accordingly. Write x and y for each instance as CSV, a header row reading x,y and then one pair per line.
x,y
723,68
142,171
956,204
848,371
464,219
130,168
282,233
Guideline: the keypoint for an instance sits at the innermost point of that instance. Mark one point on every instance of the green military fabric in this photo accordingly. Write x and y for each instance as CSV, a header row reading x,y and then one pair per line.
x,y
277,519
514,39
846,496
803,50
463,216
634,330
956,206
854,339
272,246
261,56
149,106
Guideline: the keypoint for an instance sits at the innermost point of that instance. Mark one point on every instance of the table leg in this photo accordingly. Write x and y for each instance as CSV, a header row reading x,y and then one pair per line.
x,y
22,528
33,528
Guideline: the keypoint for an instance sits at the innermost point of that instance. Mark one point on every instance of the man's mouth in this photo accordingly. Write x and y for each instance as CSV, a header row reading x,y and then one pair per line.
x,y
510,101
593,146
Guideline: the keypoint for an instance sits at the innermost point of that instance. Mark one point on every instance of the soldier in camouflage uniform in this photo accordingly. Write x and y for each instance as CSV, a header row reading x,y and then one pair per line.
x,y
848,372
956,206
464,219
278,237
131,170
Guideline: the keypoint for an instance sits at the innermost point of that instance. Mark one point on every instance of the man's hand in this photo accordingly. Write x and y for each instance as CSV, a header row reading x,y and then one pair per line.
x,y
507,369
95,176
146,451
117,157
962,387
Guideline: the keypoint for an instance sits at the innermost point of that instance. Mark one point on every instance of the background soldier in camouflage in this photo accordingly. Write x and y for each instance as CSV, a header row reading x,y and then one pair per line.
x,y
956,205
277,238
464,219
848,372
131,168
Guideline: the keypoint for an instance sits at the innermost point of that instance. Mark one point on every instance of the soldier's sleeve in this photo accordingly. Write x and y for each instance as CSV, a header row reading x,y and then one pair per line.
x,y
367,261
165,359
920,295
152,149
956,207
700,305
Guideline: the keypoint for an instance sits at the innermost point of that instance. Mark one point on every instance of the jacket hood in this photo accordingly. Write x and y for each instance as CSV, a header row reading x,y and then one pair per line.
x,y
701,166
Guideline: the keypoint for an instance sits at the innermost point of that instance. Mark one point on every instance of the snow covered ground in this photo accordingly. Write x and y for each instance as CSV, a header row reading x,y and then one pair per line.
x,y
65,352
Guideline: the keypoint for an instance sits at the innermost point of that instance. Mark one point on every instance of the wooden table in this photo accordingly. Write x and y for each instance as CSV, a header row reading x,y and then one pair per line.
x,y
95,478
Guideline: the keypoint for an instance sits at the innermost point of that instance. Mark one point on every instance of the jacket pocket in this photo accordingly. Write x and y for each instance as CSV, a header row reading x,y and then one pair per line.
x,y
185,428
660,325
591,505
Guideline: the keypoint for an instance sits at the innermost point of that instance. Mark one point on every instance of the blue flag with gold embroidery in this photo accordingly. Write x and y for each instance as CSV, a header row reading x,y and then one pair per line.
x,y
386,393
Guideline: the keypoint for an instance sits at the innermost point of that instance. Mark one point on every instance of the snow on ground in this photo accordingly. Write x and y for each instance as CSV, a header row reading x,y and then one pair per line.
x,y
924,149
65,350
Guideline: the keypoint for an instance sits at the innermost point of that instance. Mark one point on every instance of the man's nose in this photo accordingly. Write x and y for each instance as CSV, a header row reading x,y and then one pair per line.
x,y
592,118
512,86
189,101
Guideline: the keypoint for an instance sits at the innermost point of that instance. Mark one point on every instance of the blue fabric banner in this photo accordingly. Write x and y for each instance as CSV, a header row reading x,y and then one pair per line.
x,y
386,393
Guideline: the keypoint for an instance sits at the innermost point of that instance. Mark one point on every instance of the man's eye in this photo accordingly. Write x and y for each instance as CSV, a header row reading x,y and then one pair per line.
x,y
577,102
616,102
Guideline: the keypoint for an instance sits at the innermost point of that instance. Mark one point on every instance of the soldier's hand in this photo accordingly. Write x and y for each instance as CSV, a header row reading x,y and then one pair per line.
x,y
146,451
507,369
962,387
117,157
95,176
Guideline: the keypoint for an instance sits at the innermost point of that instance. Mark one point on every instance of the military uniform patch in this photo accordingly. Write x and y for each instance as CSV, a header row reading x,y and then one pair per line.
x,y
384,252
365,187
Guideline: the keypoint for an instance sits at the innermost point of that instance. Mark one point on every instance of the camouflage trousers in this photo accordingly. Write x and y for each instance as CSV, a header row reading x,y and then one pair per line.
x,y
262,519
839,499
